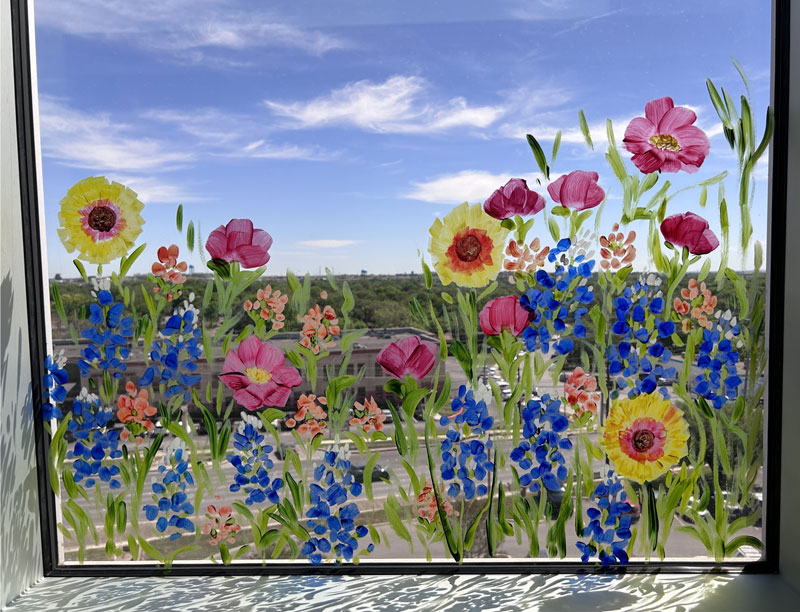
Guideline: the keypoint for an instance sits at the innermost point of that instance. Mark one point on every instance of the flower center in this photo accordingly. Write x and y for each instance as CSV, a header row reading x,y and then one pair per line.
x,y
643,440
102,218
468,248
665,142
257,375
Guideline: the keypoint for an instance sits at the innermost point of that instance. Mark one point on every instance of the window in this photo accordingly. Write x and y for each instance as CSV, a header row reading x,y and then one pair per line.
x,y
602,293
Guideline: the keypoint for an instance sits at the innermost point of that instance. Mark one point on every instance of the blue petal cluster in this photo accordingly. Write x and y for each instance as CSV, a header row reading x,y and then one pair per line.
x,y
175,357
332,520
53,390
94,442
639,359
252,463
553,299
469,412
171,507
467,460
609,527
716,356
539,455
108,339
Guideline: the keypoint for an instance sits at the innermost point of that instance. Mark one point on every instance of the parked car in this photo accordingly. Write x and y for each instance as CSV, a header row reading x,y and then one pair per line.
x,y
378,472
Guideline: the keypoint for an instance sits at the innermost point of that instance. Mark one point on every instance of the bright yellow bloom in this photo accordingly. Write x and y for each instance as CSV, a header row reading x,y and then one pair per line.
x,y
467,246
99,219
644,436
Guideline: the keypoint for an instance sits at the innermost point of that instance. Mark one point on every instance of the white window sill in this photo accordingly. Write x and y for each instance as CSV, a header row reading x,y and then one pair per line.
x,y
584,593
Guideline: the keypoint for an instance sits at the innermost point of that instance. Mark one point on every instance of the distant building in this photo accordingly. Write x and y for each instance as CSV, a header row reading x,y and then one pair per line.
x,y
363,272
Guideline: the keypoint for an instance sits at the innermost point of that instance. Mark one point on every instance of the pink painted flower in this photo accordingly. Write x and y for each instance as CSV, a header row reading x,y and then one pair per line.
x,y
503,313
408,356
257,374
238,241
514,198
581,392
577,190
665,139
691,231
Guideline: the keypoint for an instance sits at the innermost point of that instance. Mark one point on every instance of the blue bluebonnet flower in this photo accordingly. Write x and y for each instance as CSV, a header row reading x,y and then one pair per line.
x,y
95,443
609,527
717,358
555,298
639,358
171,508
332,529
470,412
53,390
175,356
108,338
253,463
539,455
467,460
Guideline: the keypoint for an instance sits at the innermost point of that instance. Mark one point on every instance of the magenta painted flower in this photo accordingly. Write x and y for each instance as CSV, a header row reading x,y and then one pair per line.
x,y
258,375
513,198
577,190
665,139
238,241
691,231
504,313
408,356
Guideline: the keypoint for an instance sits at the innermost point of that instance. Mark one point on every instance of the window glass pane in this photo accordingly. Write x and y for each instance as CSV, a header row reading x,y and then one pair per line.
x,y
265,222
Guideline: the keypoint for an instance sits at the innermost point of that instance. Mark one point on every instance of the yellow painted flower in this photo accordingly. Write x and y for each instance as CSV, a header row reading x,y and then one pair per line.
x,y
467,246
644,436
99,219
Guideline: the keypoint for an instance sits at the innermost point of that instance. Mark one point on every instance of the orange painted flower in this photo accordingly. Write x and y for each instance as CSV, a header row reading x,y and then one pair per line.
x,y
221,525
700,304
427,508
368,416
169,270
320,326
616,250
269,306
134,412
580,390
310,416
522,258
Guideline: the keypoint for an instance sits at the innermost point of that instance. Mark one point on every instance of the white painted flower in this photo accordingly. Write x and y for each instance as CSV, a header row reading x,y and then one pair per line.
x,y
251,419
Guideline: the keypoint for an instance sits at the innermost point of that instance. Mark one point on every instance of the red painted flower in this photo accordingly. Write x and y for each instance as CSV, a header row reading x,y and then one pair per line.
x,y
503,313
577,190
689,230
514,198
238,241
407,356
257,374
665,139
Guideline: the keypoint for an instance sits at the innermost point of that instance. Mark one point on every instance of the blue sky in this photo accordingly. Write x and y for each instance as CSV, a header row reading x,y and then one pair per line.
x,y
343,128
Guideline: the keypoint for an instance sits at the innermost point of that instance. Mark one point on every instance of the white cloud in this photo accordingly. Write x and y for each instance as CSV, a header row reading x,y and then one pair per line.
x,y
94,141
327,244
401,104
466,186
186,28
151,190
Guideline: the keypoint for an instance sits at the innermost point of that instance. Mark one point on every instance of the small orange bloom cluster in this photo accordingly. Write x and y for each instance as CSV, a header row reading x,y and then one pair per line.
x,y
319,326
426,505
310,415
524,258
700,303
270,305
580,389
169,269
368,416
616,250
134,410
221,524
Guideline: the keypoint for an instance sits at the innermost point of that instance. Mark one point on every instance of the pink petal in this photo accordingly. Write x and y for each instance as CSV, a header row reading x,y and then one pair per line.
x,y
251,256
245,398
277,396
671,162
392,359
248,350
235,381
420,362
638,134
485,319
656,109
706,243
575,188
286,376
649,161
676,118
554,188
216,245
408,345
239,232
233,363
269,356
594,196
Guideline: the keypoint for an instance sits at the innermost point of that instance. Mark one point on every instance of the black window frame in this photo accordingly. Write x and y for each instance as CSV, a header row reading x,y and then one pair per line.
x,y
35,293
